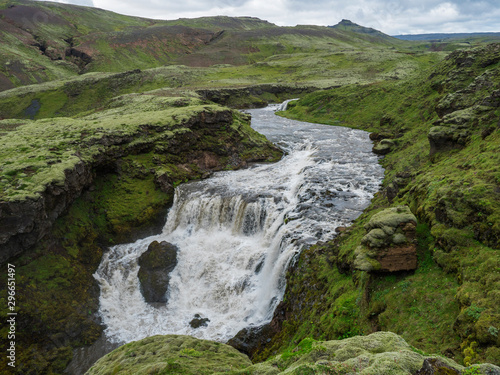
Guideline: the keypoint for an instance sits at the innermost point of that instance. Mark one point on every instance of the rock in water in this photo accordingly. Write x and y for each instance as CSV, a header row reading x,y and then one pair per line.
x,y
155,266
198,321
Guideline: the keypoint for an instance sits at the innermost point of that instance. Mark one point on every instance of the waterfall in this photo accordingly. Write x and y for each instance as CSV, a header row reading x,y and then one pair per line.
x,y
283,106
238,231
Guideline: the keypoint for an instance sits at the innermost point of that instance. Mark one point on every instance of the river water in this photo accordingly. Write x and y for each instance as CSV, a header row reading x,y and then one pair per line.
x,y
238,231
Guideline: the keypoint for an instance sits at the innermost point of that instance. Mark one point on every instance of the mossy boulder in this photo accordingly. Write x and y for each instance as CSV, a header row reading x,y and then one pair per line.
x,y
154,273
171,354
380,353
383,147
443,138
389,244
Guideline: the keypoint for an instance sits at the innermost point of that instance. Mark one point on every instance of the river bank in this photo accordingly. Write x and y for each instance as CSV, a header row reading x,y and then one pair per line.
x,y
442,161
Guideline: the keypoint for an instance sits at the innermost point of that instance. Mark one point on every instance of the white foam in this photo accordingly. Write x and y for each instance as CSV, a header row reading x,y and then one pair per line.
x,y
238,231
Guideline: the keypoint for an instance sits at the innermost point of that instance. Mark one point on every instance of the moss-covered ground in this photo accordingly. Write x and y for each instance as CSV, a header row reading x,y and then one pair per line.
x,y
381,353
450,303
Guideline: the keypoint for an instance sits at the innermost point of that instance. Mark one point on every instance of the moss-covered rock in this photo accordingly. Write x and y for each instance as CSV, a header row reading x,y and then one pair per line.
x,y
380,353
172,354
444,138
389,244
384,147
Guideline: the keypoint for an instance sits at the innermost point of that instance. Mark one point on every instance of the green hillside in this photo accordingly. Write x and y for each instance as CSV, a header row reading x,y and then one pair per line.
x,y
42,41
443,163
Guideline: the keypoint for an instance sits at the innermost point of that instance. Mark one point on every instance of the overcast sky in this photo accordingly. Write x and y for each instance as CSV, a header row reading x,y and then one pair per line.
x,y
389,16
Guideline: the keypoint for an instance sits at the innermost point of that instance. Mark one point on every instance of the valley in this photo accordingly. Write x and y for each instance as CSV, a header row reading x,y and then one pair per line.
x,y
103,116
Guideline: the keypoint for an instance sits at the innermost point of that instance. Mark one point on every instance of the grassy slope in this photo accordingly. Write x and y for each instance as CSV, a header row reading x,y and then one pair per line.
x,y
52,26
320,68
450,304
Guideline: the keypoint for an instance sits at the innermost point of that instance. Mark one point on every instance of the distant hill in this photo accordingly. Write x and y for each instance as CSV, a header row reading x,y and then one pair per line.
x,y
43,41
346,25
445,36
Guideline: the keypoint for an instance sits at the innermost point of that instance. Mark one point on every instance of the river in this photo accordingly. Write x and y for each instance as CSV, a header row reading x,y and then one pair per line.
x,y
238,231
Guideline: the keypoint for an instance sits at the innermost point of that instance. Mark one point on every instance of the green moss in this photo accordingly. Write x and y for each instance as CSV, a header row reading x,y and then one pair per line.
x,y
171,355
379,353
51,147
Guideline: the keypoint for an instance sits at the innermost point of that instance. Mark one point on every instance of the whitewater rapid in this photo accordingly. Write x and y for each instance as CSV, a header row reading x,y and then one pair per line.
x,y
238,231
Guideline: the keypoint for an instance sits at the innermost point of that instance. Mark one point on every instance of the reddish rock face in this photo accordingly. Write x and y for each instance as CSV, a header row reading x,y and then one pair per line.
x,y
394,259
389,245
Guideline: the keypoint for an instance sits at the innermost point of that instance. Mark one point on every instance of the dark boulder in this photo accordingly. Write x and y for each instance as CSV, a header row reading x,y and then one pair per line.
x,y
250,340
434,366
198,321
155,267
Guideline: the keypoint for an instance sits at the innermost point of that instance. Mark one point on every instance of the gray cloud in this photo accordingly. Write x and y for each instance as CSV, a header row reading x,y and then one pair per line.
x,y
391,17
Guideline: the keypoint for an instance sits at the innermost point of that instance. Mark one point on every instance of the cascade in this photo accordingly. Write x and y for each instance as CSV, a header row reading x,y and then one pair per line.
x,y
238,231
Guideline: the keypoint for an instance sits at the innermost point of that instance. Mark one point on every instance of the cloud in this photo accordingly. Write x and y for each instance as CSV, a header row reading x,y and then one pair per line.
x,y
391,17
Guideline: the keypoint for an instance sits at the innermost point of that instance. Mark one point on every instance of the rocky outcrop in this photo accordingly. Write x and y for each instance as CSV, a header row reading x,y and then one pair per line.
x,y
443,138
198,321
383,147
251,339
24,222
154,273
434,366
389,245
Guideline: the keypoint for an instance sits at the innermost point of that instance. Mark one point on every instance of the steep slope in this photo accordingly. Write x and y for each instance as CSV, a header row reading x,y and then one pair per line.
x,y
37,38
441,138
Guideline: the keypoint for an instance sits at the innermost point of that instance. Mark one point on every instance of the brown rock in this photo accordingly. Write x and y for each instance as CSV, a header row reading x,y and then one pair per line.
x,y
389,245
434,366
398,259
